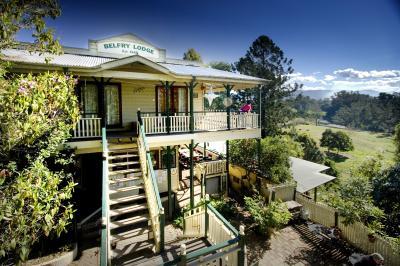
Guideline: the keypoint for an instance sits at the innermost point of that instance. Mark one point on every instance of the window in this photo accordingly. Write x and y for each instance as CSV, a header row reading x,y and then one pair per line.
x,y
89,100
112,105
178,99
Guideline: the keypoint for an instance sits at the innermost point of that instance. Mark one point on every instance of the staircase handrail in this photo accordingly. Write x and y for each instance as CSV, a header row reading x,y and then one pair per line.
x,y
157,214
105,246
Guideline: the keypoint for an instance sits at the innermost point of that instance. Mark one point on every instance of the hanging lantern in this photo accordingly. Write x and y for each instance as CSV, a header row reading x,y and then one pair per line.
x,y
210,95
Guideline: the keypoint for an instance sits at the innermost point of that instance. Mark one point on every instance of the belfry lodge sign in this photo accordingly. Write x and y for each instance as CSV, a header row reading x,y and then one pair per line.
x,y
128,48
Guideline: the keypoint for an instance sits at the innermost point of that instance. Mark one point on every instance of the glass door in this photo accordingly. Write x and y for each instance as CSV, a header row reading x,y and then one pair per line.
x,y
178,100
112,105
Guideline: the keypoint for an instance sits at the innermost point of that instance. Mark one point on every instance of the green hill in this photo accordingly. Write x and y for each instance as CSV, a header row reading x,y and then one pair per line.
x,y
365,144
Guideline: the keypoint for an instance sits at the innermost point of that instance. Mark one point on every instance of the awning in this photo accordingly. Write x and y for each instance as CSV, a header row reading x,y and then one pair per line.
x,y
307,174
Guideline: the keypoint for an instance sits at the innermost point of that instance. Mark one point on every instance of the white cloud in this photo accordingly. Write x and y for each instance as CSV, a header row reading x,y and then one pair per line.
x,y
313,88
299,77
381,85
352,73
329,77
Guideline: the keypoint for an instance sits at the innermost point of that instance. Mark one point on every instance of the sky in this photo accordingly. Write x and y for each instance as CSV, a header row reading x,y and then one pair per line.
x,y
335,44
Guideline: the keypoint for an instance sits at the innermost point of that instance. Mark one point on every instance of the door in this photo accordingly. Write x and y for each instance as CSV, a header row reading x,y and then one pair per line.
x,y
112,105
89,101
178,100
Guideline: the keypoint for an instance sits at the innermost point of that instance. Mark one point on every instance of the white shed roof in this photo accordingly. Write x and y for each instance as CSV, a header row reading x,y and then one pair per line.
x,y
307,174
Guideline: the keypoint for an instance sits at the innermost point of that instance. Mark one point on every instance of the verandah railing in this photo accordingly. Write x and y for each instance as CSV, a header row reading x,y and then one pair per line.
x,y
87,128
202,121
228,247
156,210
105,246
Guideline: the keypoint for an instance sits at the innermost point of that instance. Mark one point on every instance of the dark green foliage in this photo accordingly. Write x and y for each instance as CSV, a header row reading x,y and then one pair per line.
x,y
355,110
396,140
332,168
221,66
386,194
30,15
354,202
266,60
306,107
267,217
338,140
243,152
192,55
310,148
225,206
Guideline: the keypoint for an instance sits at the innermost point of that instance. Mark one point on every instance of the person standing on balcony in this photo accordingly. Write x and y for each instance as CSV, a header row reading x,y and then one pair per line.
x,y
247,108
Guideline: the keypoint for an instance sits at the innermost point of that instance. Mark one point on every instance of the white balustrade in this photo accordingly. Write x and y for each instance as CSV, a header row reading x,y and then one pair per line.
x,y
88,128
207,121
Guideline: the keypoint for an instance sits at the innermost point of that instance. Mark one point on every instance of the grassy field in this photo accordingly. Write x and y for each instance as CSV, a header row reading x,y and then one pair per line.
x,y
365,144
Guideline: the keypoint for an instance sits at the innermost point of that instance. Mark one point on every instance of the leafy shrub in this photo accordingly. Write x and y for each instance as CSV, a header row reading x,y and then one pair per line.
x,y
225,206
267,216
310,148
36,116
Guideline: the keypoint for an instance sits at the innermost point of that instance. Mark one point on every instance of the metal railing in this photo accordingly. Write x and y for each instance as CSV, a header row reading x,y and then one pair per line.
x,y
156,210
202,121
105,246
228,247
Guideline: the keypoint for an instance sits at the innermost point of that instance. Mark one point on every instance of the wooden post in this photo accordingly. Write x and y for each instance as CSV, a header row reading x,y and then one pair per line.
x,y
168,164
259,152
206,224
336,219
227,168
228,89
191,147
162,231
139,117
315,194
241,253
182,252
191,85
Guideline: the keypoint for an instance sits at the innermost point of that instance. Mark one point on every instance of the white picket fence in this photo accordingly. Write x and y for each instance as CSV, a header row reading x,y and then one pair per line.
x,y
88,128
356,233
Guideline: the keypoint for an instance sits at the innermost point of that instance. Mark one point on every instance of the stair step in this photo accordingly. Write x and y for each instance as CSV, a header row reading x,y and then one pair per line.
x,y
129,234
126,179
128,209
125,171
123,150
127,199
129,221
112,157
123,163
125,189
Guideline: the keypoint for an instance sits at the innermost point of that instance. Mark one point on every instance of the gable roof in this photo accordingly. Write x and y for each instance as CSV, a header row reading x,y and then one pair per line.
x,y
99,63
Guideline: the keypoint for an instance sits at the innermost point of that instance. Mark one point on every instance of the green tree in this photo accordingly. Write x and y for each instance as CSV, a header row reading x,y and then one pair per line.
x,y
266,60
36,115
386,187
274,161
354,202
397,142
192,55
338,141
221,66
311,150
243,152
19,15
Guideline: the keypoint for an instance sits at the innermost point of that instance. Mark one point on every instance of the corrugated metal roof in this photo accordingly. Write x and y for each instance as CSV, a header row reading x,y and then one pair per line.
x,y
307,174
65,60
204,72
87,61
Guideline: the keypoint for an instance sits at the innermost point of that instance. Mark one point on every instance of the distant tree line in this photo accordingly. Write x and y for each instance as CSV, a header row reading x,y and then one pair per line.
x,y
352,109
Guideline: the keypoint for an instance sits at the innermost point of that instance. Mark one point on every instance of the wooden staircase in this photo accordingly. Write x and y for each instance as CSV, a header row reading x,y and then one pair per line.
x,y
128,209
